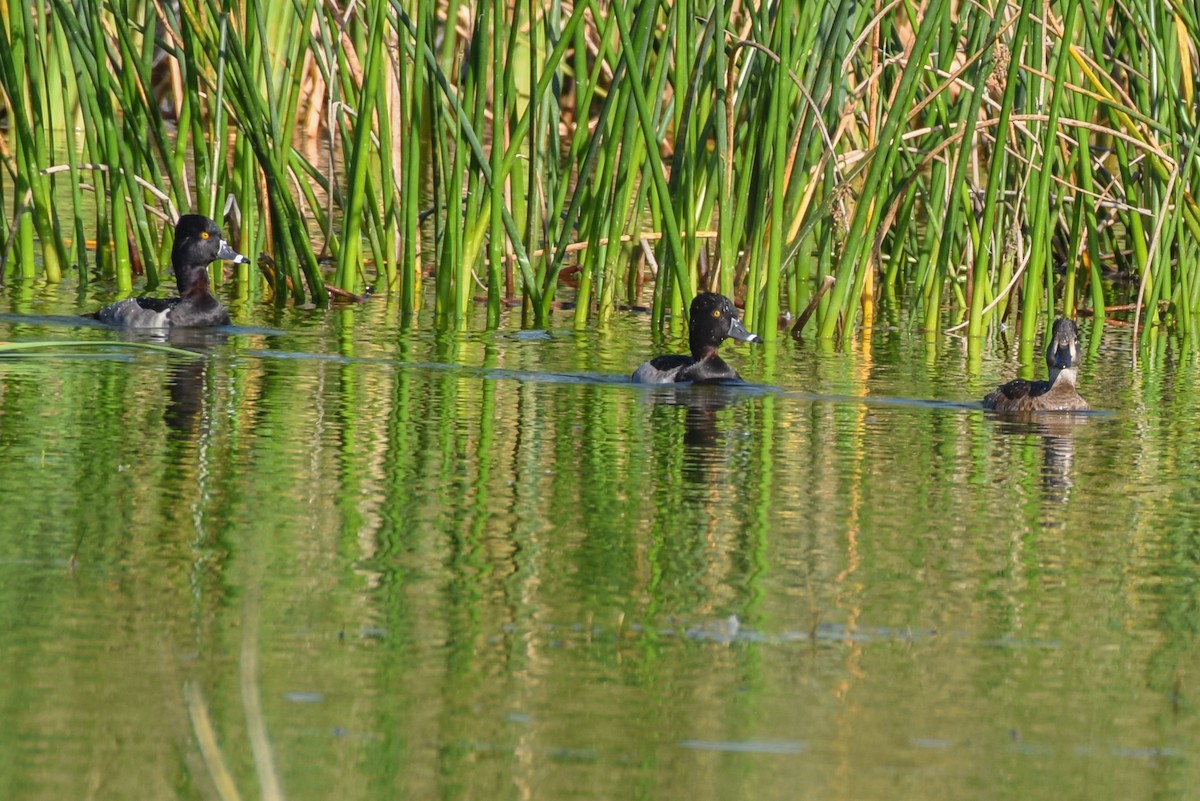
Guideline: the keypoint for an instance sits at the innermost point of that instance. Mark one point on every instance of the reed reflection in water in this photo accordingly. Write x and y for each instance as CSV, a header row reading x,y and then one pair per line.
x,y
485,564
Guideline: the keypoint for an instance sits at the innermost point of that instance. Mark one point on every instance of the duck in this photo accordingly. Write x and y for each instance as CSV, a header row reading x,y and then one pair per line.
x,y
198,243
712,319
1056,395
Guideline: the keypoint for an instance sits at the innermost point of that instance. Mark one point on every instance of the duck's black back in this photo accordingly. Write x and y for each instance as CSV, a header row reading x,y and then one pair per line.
x,y
1014,394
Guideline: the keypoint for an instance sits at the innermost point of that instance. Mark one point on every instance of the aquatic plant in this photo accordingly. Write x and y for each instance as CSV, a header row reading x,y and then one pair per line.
x,y
977,162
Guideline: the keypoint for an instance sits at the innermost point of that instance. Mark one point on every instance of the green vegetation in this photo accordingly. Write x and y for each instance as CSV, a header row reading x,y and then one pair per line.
x,y
975,162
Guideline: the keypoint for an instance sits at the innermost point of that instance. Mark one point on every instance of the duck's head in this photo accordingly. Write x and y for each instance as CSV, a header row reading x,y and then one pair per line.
x,y
198,243
714,318
1062,346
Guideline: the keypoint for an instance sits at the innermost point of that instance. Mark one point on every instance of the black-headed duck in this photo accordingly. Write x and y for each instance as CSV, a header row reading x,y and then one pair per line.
x,y
713,318
198,243
1056,395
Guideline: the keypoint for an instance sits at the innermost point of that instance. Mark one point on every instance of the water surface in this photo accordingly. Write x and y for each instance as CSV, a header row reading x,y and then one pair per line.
x,y
335,557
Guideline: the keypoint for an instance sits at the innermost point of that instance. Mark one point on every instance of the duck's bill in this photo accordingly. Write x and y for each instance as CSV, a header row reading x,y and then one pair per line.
x,y
738,331
1062,355
229,254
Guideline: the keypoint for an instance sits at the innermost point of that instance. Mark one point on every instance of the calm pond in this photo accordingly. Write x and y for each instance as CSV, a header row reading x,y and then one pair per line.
x,y
335,558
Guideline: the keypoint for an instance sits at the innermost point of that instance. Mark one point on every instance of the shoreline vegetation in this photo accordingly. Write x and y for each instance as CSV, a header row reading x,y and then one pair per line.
x,y
977,163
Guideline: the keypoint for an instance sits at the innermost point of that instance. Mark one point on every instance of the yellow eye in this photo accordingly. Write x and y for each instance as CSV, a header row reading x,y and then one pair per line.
x,y
716,312
204,234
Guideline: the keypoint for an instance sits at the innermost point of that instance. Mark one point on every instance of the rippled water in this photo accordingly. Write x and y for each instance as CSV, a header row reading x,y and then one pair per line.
x,y
338,558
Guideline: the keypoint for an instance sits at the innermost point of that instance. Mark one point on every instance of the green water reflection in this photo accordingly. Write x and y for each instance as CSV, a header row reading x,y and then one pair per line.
x,y
346,560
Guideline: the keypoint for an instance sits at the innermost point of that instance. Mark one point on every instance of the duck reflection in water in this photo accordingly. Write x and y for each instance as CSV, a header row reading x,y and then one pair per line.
x,y
705,434
186,377
1057,434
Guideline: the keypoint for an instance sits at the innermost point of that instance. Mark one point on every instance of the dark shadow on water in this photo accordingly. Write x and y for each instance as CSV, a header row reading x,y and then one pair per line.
x,y
156,335
52,320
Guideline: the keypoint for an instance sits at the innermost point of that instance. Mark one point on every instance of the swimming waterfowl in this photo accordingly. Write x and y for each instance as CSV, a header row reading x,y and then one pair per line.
x,y
198,243
1056,395
713,318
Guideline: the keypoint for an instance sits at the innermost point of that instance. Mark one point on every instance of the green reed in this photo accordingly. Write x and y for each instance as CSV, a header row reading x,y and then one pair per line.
x,y
23,60
982,163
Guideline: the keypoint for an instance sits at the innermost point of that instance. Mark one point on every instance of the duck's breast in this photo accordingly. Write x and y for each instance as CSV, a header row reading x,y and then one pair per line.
x,y
1061,399
1035,396
712,370
204,313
